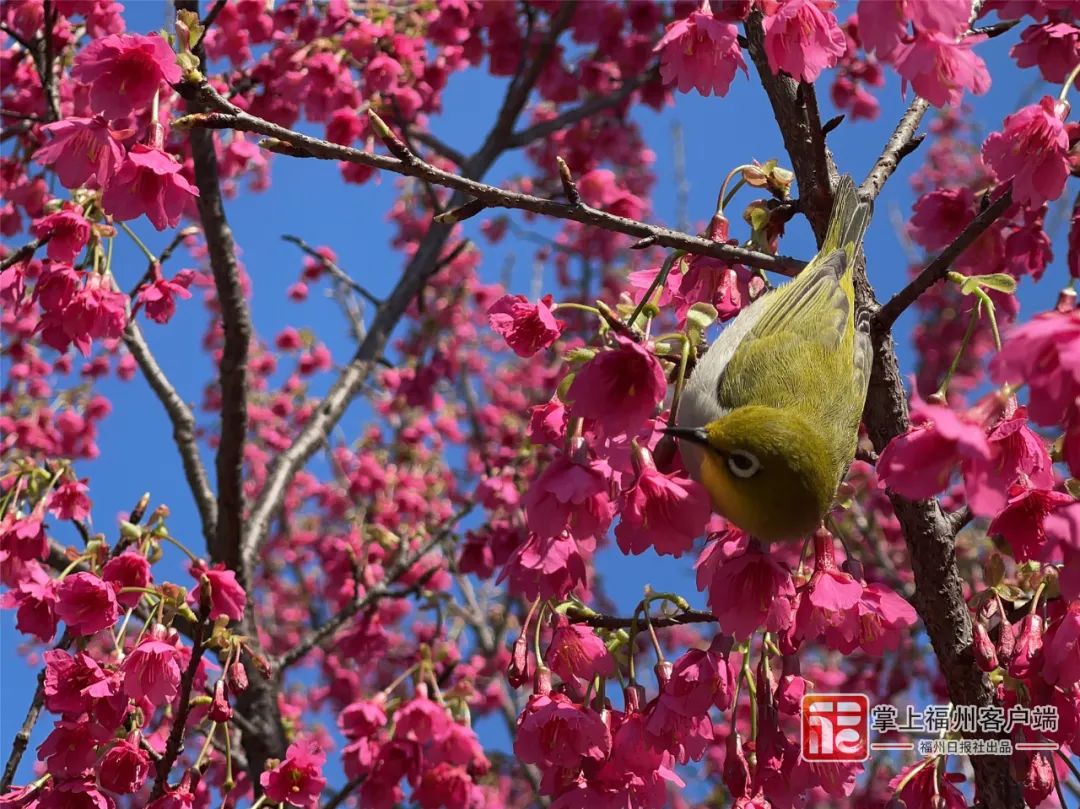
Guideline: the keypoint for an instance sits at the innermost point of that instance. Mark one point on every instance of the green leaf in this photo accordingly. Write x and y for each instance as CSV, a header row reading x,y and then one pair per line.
x,y
701,315
998,281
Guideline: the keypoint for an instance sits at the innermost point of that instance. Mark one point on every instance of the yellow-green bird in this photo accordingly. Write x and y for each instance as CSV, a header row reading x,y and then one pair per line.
x,y
769,419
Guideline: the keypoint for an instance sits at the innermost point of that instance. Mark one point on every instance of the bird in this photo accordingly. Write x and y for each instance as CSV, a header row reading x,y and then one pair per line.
x,y
769,418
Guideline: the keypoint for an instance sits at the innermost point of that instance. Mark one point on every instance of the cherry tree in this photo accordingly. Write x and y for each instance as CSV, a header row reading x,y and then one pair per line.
x,y
367,593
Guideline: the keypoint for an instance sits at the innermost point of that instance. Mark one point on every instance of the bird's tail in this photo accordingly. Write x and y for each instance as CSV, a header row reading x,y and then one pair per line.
x,y
848,221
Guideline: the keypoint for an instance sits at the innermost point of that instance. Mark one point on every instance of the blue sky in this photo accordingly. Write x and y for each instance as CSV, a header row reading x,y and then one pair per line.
x,y
308,199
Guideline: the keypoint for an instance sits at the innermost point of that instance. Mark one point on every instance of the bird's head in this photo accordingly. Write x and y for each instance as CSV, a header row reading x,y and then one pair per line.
x,y
767,470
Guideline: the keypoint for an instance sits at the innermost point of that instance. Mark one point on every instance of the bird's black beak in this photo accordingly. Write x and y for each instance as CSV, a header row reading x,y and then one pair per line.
x,y
695,435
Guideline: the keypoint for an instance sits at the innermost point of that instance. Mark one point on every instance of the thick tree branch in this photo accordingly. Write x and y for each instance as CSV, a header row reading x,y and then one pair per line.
x,y
938,268
297,144
236,325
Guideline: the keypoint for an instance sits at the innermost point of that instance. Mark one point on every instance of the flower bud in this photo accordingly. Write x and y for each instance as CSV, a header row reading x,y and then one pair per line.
x,y
1028,646
1006,640
220,710
736,769
983,647
663,673
542,680
517,673
237,678
634,698
1039,781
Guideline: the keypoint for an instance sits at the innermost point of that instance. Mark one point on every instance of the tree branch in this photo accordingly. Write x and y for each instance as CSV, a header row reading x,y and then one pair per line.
x,y
175,743
658,621
296,144
22,738
24,253
584,110
902,143
183,424
887,315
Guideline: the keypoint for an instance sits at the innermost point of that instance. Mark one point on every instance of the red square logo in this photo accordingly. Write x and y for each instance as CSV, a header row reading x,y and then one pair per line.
x,y
835,727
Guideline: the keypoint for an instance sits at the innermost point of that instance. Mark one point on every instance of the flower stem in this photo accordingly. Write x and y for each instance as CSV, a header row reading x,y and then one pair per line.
x,y
581,307
181,546
206,746
658,283
944,388
138,242
1069,83
680,380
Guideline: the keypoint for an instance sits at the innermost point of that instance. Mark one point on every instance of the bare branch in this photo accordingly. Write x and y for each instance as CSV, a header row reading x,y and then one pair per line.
x,y
902,143
939,267
22,737
658,621
175,743
301,145
183,424
24,253
439,147
334,270
583,111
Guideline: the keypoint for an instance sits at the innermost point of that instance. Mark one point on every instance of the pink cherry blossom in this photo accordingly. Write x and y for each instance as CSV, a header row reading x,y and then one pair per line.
x,y
940,69
1017,453
1049,342
82,151
128,569
527,328
748,588
1053,46
664,512
802,37
700,52
554,732
86,604
70,749
619,388
921,462
158,296
124,767
73,683
226,596
67,230
576,652
570,493
152,671
1061,650
1021,522
297,780
124,72
1032,152
162,192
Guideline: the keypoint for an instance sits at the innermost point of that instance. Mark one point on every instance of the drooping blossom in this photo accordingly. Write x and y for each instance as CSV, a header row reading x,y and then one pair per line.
x,y
1022,522
920,463
149,182
802,37
940,68
748,588
575,651
83,151
72,683
227,597
922,784
86,603
128,569
152,671
124,766
1043,352
71,748
124,72
297,780
526,327
1032,151
1054,46
67,230
619,388
664,512
554,732
700,52
1061,649
570,493
158,296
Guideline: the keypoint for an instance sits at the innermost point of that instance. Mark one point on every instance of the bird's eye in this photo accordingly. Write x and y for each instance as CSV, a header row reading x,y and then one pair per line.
x,y
743,464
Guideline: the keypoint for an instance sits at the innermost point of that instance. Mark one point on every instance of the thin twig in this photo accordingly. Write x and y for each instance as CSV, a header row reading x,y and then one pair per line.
x,y
334,270
939,267
342,795
660,621
902,143
175,744
22,738
24,253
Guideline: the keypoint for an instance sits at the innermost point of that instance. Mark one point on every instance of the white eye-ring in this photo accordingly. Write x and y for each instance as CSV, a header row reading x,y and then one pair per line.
x,y
743,464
